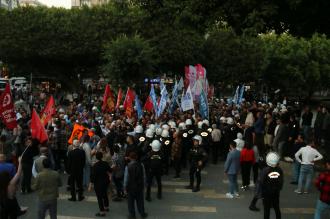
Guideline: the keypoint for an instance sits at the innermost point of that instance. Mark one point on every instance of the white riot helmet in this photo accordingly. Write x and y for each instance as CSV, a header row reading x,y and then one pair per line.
x,y
198,138
188,122
230,121
272,159
200,124
172,125
155,145
223,119
152,127
138,129
206,122
159,131
165,126
182,126
165,134
149,133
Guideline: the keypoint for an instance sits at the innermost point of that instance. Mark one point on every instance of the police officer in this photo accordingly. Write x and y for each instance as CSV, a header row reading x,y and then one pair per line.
x,y
197,158
154,169
271,183
206,137
139,136
158,133
166,149
186,144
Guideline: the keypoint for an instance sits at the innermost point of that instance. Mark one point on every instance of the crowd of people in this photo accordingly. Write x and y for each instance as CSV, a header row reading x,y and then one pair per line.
x,y
112,151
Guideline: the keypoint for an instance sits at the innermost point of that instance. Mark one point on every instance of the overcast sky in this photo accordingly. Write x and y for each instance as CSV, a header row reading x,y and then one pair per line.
x,y
57,3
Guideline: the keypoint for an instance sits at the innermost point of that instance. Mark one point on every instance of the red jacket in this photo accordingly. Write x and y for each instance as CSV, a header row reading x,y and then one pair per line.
x,y
323,185
247,155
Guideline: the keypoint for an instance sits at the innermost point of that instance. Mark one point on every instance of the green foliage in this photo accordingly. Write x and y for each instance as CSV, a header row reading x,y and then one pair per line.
x,y
129,59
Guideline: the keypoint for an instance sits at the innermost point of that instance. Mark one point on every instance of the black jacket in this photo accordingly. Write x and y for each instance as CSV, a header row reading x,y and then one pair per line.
x,y
76,161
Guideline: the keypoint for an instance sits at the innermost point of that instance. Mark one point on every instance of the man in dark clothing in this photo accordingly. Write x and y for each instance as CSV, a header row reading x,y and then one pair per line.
x,y
61,146
271,183
134,180
307,118
31,150
197,158
76,163
155,169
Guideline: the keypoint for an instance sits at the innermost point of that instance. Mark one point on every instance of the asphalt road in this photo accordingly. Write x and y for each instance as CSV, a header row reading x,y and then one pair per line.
x,y
178,202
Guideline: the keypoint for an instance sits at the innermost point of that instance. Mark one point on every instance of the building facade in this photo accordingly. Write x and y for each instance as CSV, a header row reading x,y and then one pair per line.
x,y
8,4
89,3
24,3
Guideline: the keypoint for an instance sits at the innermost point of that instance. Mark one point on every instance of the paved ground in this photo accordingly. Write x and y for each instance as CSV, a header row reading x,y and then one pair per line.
x,y
210,202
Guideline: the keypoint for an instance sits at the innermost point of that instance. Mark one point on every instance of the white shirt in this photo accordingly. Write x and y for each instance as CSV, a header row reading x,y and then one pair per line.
x,y
308,155
239,144
87,150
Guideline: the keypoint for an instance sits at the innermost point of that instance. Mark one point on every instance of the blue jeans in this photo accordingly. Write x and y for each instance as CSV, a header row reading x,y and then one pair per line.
x,y
233,185
87,173
306,175
295,170
320,208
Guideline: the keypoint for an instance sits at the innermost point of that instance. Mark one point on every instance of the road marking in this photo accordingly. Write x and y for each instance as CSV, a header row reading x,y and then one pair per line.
x,y
174,183
69,217
226,181
204,172
87,198
298,210
184,191
199,209
219,196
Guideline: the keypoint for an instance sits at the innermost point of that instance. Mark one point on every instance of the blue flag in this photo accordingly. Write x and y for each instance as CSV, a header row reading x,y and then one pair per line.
x,y
174,99
240,99
138,107
162,102
153,98
203,105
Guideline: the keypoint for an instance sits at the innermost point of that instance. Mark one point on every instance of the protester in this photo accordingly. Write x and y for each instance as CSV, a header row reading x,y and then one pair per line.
x,y
76,164
216,138
299,143
100,180
46,184
232,167
7,167
134,185
176,152
38,162
118,168
309,155
323,185
8,186
247,160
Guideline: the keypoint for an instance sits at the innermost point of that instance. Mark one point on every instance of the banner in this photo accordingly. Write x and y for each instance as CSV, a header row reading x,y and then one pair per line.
x,y
49,110
192,76
138,107
77,133
108,100
119,97
200,73
203,105
37,128
7,112
180,84
187,101
162,102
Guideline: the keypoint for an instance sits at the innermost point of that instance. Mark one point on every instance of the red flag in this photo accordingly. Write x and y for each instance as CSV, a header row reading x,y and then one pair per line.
x,y
119,97
49,110
37,128
7,112
149,106
129,98
108,100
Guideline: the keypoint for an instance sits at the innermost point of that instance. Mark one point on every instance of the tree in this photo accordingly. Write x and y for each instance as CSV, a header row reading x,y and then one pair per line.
x,y
231,58
129,59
